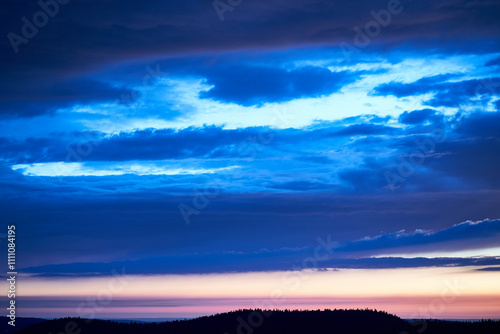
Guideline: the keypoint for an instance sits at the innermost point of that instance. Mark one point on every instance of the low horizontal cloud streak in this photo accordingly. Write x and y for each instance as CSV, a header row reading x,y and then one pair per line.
x,y
467,235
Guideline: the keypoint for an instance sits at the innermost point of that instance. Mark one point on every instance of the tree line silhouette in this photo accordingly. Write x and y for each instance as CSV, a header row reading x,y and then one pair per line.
x,y
258,321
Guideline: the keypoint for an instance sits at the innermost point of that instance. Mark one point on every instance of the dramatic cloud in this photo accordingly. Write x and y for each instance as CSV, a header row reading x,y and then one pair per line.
x,y
75,42
418,116
463,236
175,137
493,62
420,86
443,154
479,235
52,95
227,263
448,94
258,85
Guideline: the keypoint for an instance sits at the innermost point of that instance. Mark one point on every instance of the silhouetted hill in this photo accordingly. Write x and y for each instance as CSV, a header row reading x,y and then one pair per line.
x,y
455,327
270,322
21,323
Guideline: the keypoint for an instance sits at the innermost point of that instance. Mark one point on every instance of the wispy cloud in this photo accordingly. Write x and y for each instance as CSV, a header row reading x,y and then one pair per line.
x,y
73,169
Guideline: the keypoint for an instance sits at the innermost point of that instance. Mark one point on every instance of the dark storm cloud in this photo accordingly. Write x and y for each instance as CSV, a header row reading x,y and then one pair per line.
x,y
459,158
481,125
138,145
420,86
417,116
471,162
463,159
493,62
89,37
208,141
467,154
37,98
448,94
364,178
455,94
253,85
126,28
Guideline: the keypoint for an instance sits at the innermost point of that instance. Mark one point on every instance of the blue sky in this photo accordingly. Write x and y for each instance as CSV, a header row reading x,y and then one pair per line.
x,y
169,137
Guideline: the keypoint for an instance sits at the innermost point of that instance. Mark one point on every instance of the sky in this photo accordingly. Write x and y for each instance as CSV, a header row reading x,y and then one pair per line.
x,y
170,159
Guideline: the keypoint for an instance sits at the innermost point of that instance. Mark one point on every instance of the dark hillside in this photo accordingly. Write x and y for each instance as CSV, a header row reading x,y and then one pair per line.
x,y
271,322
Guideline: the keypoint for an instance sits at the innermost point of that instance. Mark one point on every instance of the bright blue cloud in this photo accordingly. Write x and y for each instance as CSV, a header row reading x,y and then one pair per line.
x,y
330,156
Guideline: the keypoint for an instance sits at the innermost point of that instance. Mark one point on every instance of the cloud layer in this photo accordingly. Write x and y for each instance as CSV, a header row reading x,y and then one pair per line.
x,y
217,141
